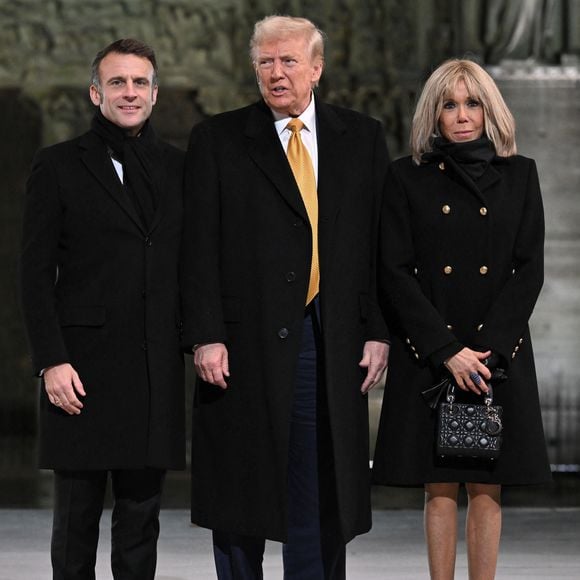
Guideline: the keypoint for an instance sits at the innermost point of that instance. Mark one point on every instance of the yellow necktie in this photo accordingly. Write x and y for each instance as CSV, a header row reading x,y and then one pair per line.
x,y
303,171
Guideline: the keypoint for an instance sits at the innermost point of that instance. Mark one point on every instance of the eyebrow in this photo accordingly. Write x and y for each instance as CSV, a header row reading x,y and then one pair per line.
x,y
124,78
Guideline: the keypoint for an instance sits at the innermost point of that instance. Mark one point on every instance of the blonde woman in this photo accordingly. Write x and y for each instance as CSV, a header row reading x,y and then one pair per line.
x,y
461,268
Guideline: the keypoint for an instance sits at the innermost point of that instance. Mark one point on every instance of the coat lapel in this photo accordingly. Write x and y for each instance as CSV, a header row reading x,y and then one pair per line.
x,y
331,133
162,200
265,149
487,180
98,162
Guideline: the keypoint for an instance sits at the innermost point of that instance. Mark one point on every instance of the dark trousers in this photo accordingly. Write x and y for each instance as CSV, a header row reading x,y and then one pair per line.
x,y
314,550
78,504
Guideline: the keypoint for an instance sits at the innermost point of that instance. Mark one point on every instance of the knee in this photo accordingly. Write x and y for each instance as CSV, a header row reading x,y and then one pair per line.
x,y
483,492
441,492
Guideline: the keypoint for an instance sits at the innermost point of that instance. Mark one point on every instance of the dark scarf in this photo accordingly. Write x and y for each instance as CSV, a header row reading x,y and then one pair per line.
x,y
472,157
140,157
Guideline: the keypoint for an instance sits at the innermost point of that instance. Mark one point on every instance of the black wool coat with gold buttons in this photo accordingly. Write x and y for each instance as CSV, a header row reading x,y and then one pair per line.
x,y
461,265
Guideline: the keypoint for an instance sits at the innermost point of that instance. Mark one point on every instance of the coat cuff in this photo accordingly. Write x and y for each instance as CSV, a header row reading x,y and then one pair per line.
x,y
438,357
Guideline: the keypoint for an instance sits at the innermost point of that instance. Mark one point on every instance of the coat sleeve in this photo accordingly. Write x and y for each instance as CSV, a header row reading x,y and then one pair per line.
x,y
507,320
200,263
376,326
426,333
41,232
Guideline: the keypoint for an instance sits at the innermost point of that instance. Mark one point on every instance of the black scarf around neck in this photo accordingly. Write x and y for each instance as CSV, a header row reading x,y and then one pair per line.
x,y
473,157
140,157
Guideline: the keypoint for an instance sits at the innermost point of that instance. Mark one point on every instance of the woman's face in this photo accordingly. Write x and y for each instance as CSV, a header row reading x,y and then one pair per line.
x,y
461,118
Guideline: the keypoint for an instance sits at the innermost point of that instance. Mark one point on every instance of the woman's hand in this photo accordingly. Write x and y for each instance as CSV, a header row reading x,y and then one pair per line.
x,y
469,371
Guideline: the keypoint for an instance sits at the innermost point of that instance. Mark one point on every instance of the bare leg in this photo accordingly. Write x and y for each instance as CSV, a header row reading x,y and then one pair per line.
x,y
441,528
483,529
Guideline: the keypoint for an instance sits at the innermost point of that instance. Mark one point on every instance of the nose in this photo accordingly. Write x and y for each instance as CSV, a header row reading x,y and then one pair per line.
x,y
462,116
130,92
277,71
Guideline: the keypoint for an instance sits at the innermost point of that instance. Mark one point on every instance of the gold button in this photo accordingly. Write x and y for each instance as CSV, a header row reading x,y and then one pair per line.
x,y
408,340
449,327
479,327
446,209
483,210
513,355
414,349
448,269
520,341
415,271
513,271
442,166
516,348
483,270
416,356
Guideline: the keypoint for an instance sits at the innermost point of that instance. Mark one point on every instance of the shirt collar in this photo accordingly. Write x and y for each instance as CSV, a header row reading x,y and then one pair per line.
x,y
308,117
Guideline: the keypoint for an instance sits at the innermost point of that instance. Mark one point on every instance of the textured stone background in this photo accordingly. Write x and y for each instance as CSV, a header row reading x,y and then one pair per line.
x,y
378,53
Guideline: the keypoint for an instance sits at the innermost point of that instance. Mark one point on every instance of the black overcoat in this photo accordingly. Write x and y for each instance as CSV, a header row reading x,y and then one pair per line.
x,y
460,263
100,291
246,279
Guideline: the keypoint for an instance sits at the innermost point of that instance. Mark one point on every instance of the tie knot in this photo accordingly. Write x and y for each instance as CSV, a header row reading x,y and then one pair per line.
x,y
295,125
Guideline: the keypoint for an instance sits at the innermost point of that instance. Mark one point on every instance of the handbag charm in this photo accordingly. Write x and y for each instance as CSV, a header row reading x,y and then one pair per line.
x,y
467,429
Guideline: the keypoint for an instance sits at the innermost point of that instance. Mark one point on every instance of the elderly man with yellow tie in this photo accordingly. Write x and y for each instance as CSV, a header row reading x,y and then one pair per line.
x,y
280,310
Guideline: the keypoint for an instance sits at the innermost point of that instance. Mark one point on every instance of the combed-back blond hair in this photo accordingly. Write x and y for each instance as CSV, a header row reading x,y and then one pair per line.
x,y
284,27
499,124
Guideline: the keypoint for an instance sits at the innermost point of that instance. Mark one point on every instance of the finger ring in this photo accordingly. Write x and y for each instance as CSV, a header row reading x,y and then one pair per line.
x,y
475,378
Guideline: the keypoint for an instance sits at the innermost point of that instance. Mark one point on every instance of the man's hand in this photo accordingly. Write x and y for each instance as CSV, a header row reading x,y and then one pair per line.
x,y
211,363
375,359
62,384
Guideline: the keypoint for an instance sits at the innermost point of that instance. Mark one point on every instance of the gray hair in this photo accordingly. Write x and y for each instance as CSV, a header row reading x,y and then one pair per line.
x,y
282,27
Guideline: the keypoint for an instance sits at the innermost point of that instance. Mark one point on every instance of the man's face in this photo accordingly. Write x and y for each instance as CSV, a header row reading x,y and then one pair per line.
x,y
286,74
127,92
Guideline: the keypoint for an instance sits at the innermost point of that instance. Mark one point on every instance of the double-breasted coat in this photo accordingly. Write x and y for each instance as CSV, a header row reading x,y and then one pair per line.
x,y
100,291
245,284
460,263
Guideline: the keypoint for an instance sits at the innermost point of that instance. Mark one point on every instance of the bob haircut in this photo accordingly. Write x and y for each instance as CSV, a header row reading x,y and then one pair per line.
x,y
499,124
274,28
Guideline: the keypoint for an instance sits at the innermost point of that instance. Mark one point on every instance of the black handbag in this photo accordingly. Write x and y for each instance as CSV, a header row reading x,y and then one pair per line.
x,y
468,429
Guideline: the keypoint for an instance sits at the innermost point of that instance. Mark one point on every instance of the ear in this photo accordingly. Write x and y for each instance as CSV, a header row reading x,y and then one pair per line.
x,y
95,96
317,71
154,94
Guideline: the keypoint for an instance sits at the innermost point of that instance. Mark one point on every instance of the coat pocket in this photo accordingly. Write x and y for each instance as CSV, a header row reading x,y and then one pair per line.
x,y
82,315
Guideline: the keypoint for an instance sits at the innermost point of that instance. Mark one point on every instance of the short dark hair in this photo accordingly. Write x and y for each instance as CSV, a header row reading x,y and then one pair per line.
x,y
124,46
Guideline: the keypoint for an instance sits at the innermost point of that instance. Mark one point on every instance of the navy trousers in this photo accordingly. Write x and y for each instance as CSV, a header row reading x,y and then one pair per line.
x,y
314,550
78,504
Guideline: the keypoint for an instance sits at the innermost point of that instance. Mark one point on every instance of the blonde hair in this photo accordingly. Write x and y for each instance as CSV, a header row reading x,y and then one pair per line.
x,y
499,124
283,27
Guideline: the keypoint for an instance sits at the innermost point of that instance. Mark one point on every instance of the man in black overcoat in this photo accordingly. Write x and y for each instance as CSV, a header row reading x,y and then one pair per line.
x,y
99,278
280,309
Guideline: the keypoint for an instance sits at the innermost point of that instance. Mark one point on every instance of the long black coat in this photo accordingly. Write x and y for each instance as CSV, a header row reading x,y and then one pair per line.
x,y
101,292
246,280
460,263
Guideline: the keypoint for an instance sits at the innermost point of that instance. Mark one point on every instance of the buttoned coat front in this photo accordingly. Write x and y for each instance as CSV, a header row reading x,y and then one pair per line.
x,y
460,263
246,277
100,291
